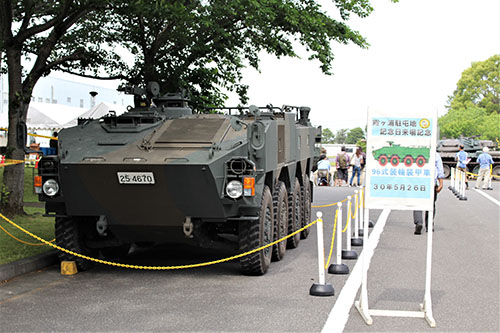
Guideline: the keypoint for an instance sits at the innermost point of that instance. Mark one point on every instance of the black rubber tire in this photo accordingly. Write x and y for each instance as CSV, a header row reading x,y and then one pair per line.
x,y
306,207
496,172
294,213
70,235
280,206
256,233
446,170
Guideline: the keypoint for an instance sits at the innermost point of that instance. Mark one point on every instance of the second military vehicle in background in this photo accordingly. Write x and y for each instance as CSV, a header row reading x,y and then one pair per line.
x,y
449,148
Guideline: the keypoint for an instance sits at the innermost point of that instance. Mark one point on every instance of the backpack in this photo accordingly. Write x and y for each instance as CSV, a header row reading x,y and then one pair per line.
x,y
342,161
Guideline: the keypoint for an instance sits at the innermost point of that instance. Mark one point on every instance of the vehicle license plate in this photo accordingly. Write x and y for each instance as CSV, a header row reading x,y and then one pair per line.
x,y
136,178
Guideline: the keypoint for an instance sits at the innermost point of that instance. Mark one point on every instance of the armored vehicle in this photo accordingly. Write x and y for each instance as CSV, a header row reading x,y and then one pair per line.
x,y
234,178
448,149
395,154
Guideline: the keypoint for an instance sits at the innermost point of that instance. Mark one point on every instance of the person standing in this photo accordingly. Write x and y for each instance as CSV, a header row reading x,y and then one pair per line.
x,y
462,164
356,161
417,214
484,160
324,170
342,163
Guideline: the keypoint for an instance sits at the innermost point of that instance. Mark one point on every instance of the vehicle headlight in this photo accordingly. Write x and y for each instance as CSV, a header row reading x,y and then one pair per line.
x,y
50,187
234,189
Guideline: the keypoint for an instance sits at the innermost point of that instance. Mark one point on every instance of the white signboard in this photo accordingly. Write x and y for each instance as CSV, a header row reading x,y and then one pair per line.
x,y
400,161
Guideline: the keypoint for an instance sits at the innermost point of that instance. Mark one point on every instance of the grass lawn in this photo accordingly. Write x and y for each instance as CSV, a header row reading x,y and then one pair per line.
x,y
11,249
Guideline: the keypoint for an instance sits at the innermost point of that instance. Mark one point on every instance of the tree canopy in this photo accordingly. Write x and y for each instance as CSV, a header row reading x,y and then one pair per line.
x,y
327,136
470,122
341,135
479,86
355,135
474,107
202,45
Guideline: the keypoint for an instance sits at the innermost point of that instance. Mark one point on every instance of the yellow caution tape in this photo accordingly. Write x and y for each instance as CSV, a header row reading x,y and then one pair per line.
x,y
156,267
356,209
10,162
329,205
34,135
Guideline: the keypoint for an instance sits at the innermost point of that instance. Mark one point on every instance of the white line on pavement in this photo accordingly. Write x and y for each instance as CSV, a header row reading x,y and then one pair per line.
x,y
339,315
488,197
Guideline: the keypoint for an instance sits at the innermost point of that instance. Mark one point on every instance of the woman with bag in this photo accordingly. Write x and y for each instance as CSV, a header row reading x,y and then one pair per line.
x,y
356,161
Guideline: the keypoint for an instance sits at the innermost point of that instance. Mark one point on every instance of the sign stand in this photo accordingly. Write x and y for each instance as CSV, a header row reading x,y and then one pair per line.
x,y
425,307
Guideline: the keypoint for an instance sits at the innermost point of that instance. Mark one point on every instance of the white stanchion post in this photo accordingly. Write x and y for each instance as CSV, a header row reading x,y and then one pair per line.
x,y
339,267
356,241
459,183
321,288
348,253
452,179
457,177
462,193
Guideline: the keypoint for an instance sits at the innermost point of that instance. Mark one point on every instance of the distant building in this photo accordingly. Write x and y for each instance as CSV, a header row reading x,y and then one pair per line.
x,y
53,90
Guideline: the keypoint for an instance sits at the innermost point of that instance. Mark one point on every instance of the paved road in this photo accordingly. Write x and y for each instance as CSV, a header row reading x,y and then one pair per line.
x,y
217,298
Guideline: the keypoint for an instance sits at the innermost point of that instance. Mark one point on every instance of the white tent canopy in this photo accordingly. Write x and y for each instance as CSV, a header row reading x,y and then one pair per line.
x,y
44,116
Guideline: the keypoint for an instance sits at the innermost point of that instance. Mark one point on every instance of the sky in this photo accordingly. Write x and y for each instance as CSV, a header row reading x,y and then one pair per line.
x,y
419,49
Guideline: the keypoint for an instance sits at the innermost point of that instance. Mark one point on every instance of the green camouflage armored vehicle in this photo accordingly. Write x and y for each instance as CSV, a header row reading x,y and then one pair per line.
x,y
162,174
448,149
396,154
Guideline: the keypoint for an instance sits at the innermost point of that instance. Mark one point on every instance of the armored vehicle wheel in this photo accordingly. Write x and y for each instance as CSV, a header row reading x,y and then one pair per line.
x,y
280,205
475,171
306,207
294,213
394,160
382,160
496,171
446,170
256,233
408,161
70,235
420,161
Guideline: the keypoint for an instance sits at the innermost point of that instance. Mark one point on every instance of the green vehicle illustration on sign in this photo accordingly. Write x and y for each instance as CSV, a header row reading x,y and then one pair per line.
x,y
396,154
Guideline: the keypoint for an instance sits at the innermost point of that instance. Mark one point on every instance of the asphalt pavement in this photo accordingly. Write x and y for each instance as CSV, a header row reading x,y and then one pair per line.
x,y
465,283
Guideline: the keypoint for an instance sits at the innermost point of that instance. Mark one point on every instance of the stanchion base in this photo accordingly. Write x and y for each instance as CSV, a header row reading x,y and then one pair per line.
x,y
321,290
463,198
490,189
449,187
360,232
356,241
349,255
338,269
370,224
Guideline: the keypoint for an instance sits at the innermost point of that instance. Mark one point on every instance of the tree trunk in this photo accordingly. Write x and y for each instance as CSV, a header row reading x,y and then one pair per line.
x,y
12,191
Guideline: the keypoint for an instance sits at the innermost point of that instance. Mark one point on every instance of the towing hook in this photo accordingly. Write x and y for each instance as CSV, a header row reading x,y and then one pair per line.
x,y
188,227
